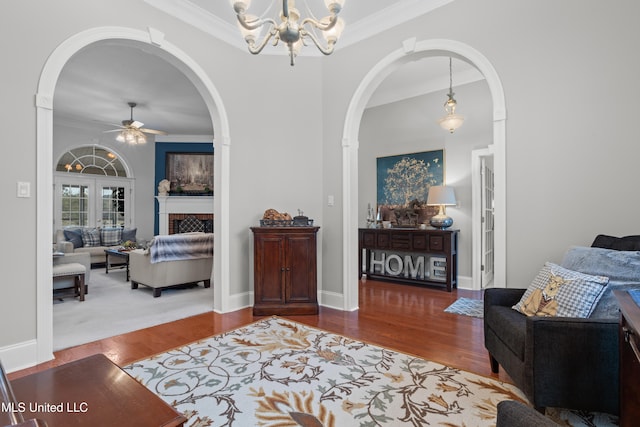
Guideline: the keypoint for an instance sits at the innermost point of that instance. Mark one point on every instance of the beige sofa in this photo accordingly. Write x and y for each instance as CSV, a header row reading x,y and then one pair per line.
x,y
158,275
96,253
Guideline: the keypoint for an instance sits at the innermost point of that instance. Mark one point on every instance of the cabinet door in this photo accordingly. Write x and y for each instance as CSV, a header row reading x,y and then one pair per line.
x,y
270,269
301,269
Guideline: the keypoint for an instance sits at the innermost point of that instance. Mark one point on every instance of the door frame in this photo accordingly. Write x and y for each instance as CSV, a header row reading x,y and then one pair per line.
x,y
413,50
476,214
41,348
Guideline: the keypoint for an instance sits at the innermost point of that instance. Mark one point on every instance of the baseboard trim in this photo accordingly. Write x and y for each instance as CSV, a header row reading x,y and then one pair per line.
x,y
331,300
238,302
20,356
465,282
326,298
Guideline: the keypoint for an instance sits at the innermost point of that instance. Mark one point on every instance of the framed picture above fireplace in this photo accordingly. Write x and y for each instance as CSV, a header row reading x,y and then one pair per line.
x,y
190,173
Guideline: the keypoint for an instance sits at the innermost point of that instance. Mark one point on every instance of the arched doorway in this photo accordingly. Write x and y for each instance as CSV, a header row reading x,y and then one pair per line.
x,y
410,51
44,142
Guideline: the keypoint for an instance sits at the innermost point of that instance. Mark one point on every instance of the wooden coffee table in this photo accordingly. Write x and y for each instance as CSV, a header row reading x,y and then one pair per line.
x,y
122,256
92,392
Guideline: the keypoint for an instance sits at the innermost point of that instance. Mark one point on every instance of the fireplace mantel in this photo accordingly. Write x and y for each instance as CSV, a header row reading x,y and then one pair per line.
x,y
181,205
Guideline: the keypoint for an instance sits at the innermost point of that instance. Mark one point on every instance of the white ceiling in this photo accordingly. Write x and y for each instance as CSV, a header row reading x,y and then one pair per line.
x,y
96,84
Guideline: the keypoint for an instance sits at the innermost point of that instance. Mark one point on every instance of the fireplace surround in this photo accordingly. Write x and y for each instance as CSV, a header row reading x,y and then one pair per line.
x,y
174,209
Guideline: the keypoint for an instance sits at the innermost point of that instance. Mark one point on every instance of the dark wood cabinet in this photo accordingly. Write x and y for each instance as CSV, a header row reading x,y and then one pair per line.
x,y
411,255
629,338
285,270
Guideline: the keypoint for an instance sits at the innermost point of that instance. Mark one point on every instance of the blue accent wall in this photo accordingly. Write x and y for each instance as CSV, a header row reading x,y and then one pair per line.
x,y
162,148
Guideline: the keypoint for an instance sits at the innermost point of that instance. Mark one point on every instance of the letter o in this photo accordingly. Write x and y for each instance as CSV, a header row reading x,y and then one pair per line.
x,y
387,265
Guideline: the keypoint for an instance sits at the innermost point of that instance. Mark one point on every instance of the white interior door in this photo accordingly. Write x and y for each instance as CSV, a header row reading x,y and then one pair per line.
x,y
487,223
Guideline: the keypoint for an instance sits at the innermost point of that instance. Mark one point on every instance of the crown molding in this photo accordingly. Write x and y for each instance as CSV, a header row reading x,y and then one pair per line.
x,y
391,16
185,138
201,19
396,14
415,87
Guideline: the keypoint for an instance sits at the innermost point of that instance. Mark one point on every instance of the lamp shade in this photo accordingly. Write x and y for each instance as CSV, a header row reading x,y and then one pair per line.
x,y
451,122
441,195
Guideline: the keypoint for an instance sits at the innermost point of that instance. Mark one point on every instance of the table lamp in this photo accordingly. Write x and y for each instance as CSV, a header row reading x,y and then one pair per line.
x,y
441,195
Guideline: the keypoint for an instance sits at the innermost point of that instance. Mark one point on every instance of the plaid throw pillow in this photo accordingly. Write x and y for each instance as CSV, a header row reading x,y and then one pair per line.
x,y
90,237
558,292
111,236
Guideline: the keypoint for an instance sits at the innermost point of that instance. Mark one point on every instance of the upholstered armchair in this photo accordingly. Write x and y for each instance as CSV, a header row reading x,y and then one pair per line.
x,y
557,362
564,362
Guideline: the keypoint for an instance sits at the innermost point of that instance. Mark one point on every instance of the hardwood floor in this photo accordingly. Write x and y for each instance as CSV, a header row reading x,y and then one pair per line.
x,y
401,317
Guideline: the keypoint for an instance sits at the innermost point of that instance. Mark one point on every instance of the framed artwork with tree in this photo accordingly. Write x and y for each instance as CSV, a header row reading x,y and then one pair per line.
x,y
403,183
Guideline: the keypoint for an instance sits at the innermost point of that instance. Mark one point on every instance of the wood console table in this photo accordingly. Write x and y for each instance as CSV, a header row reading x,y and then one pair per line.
x,y
409,255
91,392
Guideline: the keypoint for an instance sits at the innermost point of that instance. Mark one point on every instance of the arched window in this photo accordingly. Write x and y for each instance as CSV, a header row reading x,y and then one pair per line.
x,y
93,189
91,160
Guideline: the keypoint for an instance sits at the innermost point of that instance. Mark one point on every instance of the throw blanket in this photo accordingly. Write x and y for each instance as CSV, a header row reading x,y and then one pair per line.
x,y
178,247
621,267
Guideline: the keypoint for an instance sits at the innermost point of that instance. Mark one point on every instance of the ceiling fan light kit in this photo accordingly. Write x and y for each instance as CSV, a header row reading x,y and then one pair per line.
x,y
132,132
131,136
291,31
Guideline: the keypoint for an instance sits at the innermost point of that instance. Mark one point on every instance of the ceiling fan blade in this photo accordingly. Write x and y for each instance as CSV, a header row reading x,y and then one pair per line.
x,y
153,131
137,124
113,130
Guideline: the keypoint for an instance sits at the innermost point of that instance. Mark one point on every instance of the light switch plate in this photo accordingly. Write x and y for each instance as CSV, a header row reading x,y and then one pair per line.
x,y
24,189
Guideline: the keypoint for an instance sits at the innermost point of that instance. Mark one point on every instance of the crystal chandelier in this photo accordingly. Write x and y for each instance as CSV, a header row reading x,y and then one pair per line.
x,y
293,32
451,121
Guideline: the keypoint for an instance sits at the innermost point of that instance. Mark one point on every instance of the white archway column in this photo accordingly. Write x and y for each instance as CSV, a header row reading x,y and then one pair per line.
x,y
44,143
44,219
412,50
350,222
500,201
221,260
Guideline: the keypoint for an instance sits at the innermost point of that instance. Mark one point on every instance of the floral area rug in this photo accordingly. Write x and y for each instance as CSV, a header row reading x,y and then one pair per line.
x,y
276,372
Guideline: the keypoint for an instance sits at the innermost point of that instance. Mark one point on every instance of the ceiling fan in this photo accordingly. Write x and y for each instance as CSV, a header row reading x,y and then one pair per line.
x,y
132,131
